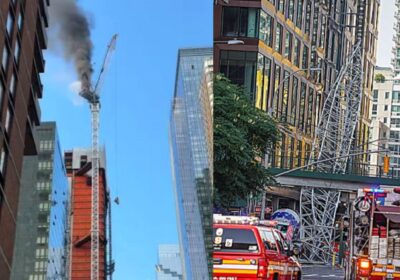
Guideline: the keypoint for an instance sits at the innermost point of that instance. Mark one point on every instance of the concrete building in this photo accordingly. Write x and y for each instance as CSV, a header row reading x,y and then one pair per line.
x,y
287,54
191,163
383,102
78,165
41,241
169,265
22,39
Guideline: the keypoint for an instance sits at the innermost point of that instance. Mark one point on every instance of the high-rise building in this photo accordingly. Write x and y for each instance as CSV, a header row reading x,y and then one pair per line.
x,y
40,246
287,54
192,165
169,265
78,165
22,39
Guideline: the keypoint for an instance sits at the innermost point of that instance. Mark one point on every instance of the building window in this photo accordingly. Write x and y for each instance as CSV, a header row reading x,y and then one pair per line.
x,y
288,45
266,28
281,5
17,51
285,97
296,54
8,119
396,96
310,112
299,18
1,91
322,35
239,22
263,80
3,159
305,57
20,21
13,85
387,95
308,18
374,109
278,39
384,120
386,107
303,92
4,60
291,10
275,95
375,95
10,23
293,111
240,68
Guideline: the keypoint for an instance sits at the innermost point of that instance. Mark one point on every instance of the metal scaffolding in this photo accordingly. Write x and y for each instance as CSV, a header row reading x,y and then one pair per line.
x,y
334,139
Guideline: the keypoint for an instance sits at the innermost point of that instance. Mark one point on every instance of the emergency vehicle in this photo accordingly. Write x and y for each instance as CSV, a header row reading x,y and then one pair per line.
x,y
246,248
375,237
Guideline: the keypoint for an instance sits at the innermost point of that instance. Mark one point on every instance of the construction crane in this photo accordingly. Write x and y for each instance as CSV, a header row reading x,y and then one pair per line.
x,y
334,140
92,96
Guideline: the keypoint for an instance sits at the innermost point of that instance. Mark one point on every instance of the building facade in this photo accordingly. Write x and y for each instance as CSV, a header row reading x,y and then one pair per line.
x,y
41,240
383,112
287,55
189,138
169,265
22,39
78,166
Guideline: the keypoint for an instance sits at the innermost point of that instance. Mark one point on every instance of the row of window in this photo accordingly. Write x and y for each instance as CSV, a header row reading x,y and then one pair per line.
x,y
251,22
46,145
45,165
253,71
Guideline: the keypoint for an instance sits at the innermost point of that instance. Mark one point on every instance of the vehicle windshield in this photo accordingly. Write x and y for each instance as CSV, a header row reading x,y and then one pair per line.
x,y
282,228
235,240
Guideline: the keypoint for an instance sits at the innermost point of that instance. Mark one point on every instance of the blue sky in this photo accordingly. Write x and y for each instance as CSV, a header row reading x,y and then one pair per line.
x,y
136,102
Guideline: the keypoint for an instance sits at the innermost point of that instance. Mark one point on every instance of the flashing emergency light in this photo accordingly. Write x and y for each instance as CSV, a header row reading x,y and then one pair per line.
x,y
374,190
220,219
365,264
269,223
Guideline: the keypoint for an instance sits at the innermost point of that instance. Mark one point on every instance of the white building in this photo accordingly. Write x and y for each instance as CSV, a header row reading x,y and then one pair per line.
x,y
385,122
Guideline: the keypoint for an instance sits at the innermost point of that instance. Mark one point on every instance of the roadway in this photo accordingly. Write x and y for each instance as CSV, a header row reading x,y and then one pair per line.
x,y
316,272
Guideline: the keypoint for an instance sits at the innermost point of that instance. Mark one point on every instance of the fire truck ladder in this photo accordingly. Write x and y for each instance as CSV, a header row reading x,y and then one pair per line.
x,y
334,137
93,98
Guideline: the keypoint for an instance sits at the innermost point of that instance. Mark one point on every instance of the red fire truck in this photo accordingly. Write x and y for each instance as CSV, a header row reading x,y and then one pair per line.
x,y
248,249
374,236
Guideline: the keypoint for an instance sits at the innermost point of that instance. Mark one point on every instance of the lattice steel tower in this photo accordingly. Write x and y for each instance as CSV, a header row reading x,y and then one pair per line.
x,y
334,138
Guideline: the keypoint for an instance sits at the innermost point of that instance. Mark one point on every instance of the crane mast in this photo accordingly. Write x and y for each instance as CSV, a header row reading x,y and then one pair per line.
x,y
93,98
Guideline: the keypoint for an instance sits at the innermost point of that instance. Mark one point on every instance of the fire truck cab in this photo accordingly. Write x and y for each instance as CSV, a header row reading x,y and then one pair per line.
x,y
248,249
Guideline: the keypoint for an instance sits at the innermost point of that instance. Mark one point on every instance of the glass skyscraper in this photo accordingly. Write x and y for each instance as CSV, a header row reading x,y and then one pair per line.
x,y
42,214
169,265
191,145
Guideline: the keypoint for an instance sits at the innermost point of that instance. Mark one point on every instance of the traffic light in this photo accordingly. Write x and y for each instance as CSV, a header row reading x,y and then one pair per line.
x,y
386,164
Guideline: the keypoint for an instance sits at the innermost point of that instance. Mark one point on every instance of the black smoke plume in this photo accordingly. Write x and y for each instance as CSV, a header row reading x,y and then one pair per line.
x,y
73,30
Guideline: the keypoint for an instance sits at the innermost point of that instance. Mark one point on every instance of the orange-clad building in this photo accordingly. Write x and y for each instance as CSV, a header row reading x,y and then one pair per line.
x,y
79,169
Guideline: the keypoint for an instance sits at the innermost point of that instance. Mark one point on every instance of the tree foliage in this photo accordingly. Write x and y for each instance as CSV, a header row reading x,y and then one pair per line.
x,y
242,136
380,78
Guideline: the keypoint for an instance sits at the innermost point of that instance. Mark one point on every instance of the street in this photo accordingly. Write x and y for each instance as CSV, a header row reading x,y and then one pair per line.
x,y
315,272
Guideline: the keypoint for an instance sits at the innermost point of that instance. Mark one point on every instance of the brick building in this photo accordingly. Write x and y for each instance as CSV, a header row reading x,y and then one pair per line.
x,y
22,39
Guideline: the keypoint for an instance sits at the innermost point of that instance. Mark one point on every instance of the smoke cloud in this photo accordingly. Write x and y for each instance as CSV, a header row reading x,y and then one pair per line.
x,y
73,29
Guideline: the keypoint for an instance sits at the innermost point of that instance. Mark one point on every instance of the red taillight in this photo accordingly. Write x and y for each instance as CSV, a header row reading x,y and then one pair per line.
x,y
262,268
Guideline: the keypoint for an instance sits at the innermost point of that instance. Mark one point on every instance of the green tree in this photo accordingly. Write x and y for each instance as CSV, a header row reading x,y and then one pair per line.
x,y
242,136
380,78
